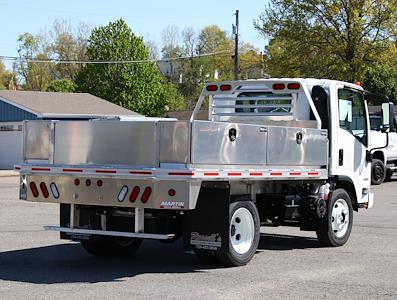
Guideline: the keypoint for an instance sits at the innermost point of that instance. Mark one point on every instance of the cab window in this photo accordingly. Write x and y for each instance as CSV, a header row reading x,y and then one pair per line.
x,y
352,114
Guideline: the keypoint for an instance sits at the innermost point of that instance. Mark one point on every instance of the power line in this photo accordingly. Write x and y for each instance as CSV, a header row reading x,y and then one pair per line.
x,y
86,13
61,61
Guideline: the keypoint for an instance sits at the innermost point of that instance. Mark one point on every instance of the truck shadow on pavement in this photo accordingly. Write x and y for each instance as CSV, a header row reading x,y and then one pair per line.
x,y
286,242
69,263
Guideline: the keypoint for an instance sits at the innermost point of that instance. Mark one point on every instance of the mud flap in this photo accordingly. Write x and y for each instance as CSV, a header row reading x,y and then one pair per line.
x,y
207,226
64,220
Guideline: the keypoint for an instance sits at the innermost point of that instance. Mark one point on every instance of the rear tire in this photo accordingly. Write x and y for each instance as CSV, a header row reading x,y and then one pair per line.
x,y
244,234
378,172
335,228
110,246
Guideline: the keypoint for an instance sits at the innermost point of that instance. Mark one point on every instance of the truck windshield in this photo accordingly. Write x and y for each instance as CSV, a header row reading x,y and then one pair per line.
x,y
352,114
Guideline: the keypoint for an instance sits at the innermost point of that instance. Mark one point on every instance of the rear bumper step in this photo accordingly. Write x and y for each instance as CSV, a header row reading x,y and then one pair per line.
x,y
109,233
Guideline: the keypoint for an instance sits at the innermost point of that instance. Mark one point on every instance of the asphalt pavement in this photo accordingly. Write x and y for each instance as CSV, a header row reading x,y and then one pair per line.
x,y
290,264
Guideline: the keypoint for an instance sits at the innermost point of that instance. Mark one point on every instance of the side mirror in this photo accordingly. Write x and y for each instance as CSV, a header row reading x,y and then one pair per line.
x,y
388,117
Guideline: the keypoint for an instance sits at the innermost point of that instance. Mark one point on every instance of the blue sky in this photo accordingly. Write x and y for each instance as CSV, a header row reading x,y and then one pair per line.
x,y
146,18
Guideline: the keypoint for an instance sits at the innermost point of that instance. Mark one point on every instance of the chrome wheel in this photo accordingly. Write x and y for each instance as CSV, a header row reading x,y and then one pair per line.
x,y
242,230
340,218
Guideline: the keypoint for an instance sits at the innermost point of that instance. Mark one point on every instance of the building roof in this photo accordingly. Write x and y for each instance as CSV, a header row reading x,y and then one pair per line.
x,y
54,104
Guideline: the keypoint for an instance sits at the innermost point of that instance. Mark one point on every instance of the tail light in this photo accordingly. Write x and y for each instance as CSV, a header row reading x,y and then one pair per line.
x,y
278,86
134,194
54,190
34,189
123,193
212,88
225,87
146,194
171,192
44,190
294,86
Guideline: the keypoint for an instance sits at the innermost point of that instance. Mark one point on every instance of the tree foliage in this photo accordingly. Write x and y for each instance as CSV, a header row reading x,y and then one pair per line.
x,y
382,80
7,78
62,42
327,38
62,85
136,86
67,43
36,76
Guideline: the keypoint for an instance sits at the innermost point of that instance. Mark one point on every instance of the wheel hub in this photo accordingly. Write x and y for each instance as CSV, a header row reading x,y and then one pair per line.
x,y
242,230
340,218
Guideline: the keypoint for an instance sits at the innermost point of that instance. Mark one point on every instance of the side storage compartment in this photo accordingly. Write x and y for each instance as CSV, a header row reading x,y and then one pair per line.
x,y
297,146
228,143
107,142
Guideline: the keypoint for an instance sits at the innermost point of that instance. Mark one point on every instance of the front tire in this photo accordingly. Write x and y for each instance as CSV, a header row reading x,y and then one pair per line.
x,y
378,172
110,246
335,228
244,234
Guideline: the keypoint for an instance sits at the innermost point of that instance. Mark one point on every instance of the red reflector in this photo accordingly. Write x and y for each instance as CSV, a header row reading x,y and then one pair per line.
x,y
276,174
295,173
171,192
76,181
73,170
278,86
313,173
181,173
106,171
294,86
234,174
212,88
44,190
141,172
88,182
41,169
256,174
34,189
211,174
134,194
146,194
225,87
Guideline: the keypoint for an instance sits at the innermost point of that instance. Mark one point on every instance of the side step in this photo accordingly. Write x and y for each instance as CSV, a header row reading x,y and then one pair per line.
x,y
110,233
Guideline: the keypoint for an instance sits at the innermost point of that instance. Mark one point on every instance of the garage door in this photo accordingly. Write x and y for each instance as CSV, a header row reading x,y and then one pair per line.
x,y
10,149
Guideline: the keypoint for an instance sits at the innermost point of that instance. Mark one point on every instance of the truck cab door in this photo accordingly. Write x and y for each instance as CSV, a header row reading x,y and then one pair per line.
x,y
353,140
392,148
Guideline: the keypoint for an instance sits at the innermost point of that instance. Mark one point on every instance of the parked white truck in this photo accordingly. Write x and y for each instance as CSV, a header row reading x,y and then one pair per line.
x,y
384,162
274,152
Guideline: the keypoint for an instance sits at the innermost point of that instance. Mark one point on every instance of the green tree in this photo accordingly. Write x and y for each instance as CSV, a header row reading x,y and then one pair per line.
x,y
136,86
3,74
62,85
382,80
327,38
36,76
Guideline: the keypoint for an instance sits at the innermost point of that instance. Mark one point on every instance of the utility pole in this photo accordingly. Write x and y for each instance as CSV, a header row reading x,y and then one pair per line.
x,y
236,57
